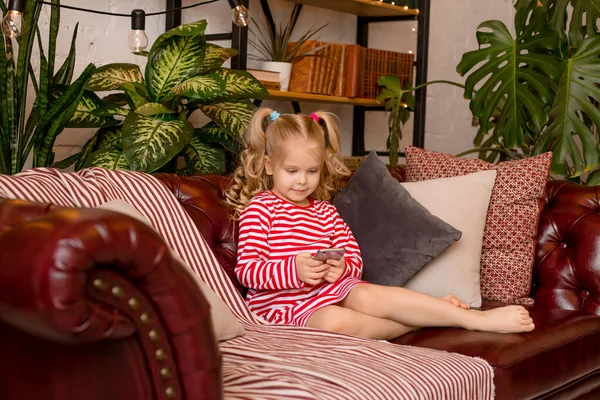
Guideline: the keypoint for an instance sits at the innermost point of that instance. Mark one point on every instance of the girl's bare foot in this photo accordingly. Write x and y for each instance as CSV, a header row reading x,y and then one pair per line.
x,y
509,319
452,299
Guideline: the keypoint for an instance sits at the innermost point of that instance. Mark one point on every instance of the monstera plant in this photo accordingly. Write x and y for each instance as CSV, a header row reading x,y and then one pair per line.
x,y
56,100
538,90
150,111
534,91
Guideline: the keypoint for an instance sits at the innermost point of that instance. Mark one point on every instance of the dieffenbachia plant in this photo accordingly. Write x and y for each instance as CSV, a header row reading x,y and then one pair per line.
x,y
184,74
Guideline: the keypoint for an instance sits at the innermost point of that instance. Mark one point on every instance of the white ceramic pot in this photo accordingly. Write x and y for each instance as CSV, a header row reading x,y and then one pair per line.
x,y
284,69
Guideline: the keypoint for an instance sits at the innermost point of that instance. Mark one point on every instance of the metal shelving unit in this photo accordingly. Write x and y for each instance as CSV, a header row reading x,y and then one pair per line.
x,y
368,12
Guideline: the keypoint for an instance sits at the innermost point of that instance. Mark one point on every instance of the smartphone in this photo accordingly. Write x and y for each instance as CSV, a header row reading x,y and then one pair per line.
x,y
329,254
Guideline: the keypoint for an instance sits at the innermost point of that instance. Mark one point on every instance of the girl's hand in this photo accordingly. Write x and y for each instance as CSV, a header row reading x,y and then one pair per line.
x,y
336,270
310,271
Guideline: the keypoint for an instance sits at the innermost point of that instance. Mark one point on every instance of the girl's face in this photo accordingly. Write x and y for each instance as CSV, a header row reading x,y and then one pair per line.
x,y
296,173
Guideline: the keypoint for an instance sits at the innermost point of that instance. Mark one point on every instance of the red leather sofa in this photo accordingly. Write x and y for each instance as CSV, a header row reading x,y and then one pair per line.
x,y
560,359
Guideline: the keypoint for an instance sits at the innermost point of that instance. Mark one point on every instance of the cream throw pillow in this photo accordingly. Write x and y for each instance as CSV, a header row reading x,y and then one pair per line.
x,y
462,202
225,324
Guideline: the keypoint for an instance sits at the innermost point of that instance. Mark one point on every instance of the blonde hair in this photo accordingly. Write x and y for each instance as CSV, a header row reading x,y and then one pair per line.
x,y
267,137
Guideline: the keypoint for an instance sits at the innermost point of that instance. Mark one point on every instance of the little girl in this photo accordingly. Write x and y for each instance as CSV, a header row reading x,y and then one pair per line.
x,y
289,169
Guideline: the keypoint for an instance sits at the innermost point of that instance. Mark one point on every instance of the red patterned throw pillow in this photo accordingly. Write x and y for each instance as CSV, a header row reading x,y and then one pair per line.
x,y
510,231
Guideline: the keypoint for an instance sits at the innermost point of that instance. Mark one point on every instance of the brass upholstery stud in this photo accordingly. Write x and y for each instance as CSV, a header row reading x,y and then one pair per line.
x,y
165,372
99,284
117,291
160,354
153,334
145,318
133,303
170,392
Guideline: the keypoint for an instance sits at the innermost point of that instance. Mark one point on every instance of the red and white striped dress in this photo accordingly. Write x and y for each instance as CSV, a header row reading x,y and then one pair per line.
x,y
272,232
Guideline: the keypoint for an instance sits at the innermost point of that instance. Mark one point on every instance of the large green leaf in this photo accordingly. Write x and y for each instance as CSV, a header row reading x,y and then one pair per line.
x,y
137,92
518,71
241,84
65,73
204,158
560,14
109,137
8,106
149,143
150,109
212,133
203,87
67,162
192,29
215,57
178,59
116,99
579,95
104,138
234,117
109,158
54,27
112,76
91,112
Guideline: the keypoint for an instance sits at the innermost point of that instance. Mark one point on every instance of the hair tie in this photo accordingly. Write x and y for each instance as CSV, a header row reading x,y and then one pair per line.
x,y
274,115
314,116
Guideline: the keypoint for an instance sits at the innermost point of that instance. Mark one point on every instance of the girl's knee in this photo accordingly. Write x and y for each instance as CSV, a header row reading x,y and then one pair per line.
x,y
363,294
332,320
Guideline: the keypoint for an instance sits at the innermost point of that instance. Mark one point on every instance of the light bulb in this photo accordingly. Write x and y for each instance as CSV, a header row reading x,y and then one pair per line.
x,y
241,15
138,41
13,20
12,23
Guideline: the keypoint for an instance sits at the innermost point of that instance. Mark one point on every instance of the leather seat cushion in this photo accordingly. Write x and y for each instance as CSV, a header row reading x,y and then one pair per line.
x,y
563,349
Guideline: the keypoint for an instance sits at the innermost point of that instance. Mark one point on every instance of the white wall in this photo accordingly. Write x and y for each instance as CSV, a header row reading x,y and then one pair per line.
x,y
103,40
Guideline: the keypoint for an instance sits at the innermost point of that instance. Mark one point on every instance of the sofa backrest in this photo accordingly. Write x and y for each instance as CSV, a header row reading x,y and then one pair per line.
x,y
567,268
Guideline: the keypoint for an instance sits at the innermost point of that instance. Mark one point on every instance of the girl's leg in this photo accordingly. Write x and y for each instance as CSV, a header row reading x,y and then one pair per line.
x,y
344,320
417,309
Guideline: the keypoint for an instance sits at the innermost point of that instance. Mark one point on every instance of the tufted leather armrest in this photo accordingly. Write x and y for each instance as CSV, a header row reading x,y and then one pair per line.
x,y
92,275
567,267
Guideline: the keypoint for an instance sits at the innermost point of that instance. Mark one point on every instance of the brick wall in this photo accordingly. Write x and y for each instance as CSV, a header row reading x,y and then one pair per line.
x,y
103,40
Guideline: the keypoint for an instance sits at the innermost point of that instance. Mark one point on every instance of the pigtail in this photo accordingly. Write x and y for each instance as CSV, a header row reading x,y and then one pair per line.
x,y
250,178
334,168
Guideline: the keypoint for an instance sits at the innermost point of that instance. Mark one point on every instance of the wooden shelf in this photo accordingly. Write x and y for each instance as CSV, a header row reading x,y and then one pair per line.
x,y
320,98
363,8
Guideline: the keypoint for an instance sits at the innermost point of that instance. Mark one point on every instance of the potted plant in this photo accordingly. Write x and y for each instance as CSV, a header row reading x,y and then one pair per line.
x,y
538,90
57,97
273,43
183,75
398,100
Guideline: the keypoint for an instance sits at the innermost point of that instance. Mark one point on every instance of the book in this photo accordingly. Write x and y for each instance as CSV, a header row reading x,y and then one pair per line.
x,y
303,69
340,83
323,71
271,85
314,82
264,75
333,69
355,71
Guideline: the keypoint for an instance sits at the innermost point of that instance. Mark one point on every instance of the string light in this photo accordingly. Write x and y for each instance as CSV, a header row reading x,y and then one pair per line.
x,y
13,20
138,41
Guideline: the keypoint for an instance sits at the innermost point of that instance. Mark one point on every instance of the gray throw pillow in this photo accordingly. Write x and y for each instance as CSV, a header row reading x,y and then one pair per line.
x,y
396,234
